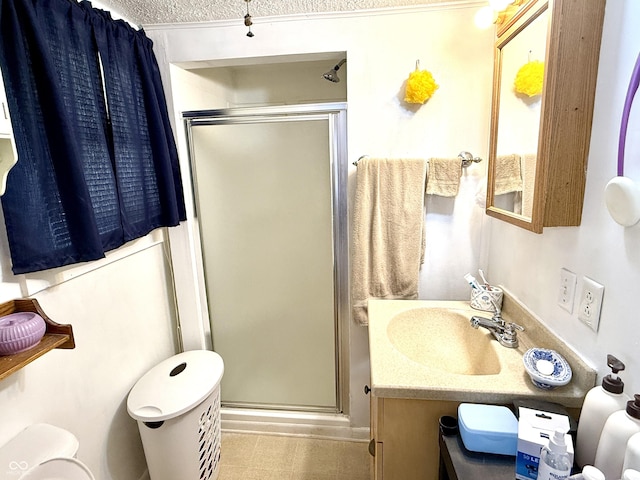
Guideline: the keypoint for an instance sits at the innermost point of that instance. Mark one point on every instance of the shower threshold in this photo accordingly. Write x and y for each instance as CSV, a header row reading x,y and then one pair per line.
x,y
283,422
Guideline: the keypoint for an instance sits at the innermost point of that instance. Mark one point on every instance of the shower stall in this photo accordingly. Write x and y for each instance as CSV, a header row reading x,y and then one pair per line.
x,y
270,197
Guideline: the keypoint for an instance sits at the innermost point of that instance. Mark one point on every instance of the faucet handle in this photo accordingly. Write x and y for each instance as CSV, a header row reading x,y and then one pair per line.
x,y
512,327
509,337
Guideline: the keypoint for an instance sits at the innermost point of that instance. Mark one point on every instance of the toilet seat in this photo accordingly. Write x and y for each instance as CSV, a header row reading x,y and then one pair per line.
x,y
59,469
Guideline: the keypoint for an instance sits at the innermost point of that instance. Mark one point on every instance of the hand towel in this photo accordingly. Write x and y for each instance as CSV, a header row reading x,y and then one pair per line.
x,y
387,239
443,177
508,174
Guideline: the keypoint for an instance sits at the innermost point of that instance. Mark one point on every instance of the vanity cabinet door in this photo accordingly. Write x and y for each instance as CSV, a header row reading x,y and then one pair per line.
x,y
406,433
376,426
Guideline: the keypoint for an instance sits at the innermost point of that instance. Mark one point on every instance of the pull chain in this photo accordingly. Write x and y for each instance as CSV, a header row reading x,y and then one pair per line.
x,y
247,20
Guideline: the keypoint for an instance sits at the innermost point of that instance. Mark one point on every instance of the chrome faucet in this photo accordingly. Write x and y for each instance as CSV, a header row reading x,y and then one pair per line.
x,y
505,332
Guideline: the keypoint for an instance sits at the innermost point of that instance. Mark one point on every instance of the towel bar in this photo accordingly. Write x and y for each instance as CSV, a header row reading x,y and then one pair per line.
x,y
465,158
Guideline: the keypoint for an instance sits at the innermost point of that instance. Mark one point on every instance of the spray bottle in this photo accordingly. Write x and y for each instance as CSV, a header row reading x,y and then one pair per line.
x,y
555,462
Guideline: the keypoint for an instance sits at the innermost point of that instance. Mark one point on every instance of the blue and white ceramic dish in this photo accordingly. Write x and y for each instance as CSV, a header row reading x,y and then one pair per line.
x,y
547,368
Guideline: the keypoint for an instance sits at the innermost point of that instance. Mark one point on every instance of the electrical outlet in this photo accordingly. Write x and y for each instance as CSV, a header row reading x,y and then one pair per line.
x,y
567,290
591,303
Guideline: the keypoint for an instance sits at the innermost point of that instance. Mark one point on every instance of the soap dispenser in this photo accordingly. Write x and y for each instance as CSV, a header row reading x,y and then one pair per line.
x,y
617,430
555,462
632,453
599,403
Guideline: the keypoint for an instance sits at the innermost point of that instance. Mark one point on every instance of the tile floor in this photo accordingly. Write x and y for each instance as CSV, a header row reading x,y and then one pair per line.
x,y
269,457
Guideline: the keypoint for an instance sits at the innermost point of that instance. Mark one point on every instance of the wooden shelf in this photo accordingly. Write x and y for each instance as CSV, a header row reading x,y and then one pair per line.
x,y
56,336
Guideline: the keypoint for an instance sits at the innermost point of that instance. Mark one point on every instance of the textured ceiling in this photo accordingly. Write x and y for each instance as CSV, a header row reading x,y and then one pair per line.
x,y
147,12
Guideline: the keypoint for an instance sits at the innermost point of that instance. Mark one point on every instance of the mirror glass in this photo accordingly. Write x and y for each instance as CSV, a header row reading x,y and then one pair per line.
x,y
518,116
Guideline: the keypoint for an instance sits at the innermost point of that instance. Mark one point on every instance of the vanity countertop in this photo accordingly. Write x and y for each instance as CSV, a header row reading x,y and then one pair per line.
x,y
395,375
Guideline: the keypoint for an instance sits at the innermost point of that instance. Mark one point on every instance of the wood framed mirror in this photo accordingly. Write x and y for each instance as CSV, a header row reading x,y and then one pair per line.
x,y
539,142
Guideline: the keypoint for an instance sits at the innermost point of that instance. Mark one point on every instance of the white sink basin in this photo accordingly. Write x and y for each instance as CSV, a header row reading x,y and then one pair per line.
x,y
443,339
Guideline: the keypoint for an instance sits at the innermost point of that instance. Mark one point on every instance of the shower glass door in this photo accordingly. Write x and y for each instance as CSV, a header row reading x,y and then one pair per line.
x,y
267,186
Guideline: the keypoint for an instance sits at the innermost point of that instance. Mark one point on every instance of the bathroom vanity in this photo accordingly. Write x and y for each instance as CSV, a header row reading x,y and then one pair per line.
x,y
426,359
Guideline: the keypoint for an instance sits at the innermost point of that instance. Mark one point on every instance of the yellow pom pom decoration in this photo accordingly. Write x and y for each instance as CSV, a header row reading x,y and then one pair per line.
x,y
529,78
420,86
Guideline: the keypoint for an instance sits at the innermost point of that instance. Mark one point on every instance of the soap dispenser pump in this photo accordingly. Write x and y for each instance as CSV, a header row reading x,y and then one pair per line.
x,y
600,402
555,462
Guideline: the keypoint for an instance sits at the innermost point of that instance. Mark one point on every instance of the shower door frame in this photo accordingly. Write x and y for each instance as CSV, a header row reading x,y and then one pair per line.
x,y
335,114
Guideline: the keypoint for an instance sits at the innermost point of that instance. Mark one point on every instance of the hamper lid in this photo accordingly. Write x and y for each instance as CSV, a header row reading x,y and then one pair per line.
x,y
175,385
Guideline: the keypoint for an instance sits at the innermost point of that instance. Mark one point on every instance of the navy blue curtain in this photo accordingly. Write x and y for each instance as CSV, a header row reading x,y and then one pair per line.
x,y
91,174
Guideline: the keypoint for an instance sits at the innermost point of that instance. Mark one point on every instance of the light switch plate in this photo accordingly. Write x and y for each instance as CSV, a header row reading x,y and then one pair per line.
x,y
567,290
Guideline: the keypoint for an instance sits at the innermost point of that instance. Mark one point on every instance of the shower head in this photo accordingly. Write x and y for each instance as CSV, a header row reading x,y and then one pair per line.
x,y
332,75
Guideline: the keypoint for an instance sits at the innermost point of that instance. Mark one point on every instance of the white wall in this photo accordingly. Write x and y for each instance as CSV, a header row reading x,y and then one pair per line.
x,y
529,264
123,321
381,48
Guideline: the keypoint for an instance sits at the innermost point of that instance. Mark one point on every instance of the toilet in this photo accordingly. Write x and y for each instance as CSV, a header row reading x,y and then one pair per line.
x,y
42,452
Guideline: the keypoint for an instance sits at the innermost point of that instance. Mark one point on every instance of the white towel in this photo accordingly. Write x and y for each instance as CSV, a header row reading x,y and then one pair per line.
x,y
508,176
443,178
388,237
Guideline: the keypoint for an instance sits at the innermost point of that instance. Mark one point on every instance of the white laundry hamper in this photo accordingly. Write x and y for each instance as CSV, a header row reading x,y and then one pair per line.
x,y
177,406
